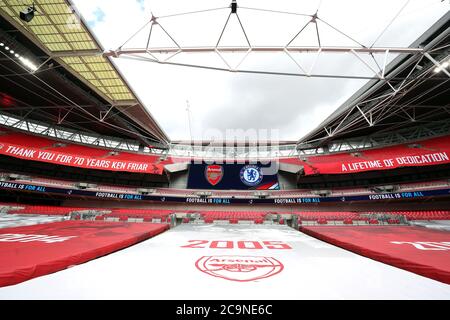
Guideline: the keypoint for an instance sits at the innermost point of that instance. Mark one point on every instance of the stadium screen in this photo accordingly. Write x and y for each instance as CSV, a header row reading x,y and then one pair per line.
x,y
235,176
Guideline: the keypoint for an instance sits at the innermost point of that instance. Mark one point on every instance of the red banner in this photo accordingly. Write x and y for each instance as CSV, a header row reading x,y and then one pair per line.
x,y
32,251
419,250
79,160
426,153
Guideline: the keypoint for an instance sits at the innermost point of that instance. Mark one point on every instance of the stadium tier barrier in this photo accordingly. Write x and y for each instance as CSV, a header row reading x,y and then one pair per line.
x,y
44,210
38,181
76,213
429,152
37,148
146,215
422,215
210,216
390,217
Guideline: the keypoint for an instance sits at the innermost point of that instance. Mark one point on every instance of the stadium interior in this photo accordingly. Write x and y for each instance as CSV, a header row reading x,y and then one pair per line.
x,y
89,180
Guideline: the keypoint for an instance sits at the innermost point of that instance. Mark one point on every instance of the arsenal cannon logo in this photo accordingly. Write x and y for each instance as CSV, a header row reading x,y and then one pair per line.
x,y
214,174
239,268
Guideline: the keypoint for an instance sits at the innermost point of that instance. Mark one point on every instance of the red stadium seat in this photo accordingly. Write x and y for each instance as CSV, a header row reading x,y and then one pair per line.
x,y
348,221
46,210
227,215
422,215
328,215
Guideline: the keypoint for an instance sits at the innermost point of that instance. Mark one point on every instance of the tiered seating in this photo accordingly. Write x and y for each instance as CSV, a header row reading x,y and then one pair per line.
x,y
45,210
424,215
348,221
10,204
120,214
13,220
437,184
323,218
51,182
72,184
233,216
175,192
291,193
106,188
352,191
146,214
424,185
334,215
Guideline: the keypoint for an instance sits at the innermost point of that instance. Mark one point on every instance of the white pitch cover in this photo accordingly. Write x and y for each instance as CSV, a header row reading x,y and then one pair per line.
x,y
230,262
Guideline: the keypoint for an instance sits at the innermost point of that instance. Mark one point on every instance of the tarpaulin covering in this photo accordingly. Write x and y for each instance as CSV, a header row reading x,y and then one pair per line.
x,y
35,148
419,250
429,152
32,251
230,262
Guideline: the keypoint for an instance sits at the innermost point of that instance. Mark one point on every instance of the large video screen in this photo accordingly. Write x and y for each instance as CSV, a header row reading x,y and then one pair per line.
x,y
235,176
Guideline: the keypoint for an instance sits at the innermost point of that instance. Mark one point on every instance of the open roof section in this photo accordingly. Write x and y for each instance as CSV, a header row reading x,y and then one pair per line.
x,y
61,36
412,97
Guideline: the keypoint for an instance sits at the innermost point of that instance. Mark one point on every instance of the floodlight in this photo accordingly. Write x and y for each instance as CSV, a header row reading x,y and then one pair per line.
x,y
28,14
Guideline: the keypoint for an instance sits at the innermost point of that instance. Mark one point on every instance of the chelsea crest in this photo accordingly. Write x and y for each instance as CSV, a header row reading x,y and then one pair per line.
x,y
251,175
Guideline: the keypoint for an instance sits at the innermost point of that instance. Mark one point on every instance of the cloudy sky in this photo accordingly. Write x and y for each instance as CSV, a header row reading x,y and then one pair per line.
x,y
290,106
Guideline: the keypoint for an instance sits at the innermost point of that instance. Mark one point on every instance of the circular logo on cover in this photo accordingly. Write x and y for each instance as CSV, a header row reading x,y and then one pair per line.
x,y
239,268
251,175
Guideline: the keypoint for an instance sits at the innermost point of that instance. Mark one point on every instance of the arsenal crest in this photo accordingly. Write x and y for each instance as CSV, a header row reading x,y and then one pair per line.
x,y
214,174
239,268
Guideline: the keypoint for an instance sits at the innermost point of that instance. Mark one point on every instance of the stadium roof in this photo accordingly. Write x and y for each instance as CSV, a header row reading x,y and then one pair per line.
x,y
59,38
413,94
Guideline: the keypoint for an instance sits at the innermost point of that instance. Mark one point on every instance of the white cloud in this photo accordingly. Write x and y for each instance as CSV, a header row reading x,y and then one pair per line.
x,y
223,100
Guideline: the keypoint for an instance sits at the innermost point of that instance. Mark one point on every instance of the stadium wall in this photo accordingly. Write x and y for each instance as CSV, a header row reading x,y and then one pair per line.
x,y
178,180
287,181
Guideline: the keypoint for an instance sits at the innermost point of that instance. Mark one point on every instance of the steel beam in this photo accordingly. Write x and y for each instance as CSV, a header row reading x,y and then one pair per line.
x,y
213,49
